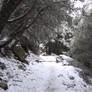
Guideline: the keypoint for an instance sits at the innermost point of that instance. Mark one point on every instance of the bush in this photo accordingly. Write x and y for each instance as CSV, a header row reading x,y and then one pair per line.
x,y
55,46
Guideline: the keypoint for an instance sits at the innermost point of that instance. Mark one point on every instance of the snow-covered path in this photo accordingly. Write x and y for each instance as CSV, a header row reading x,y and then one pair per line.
x,y
47,77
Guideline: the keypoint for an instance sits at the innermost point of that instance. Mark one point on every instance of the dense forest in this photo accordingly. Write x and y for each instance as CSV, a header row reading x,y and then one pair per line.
x,y
47,28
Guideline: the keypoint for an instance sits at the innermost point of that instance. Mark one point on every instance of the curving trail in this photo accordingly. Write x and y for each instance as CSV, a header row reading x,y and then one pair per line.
x,y
46,77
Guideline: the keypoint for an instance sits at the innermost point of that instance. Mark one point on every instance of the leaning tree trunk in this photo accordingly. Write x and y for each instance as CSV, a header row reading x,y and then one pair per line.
x,y
7,8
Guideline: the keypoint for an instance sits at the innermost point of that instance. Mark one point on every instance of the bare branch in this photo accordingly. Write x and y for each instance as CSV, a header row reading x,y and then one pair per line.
x,y
37,16
7,8
22,16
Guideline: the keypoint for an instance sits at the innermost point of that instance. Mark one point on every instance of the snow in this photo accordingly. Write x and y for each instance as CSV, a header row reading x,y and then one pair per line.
x,y
3,40
48,58
88,7
52,40
78,4
47,76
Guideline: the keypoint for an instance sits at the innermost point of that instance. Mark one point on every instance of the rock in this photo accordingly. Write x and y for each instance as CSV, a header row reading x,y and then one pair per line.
x,y
22,67
0,79
3,85
38,61
71,78
85,77
2,66
58,59
26,62
1,74
20,53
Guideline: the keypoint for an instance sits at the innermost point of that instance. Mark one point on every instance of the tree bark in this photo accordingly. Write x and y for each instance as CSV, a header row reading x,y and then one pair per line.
x,y
7,8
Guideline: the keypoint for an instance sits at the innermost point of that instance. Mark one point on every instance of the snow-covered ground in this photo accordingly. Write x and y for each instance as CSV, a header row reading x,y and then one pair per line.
x,y
46,76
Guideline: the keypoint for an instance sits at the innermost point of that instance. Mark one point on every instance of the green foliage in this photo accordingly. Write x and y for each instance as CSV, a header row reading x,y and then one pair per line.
x,y
37,20
40,17
82,46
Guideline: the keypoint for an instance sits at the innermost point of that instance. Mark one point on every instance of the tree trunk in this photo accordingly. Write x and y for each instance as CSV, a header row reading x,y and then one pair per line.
x,y
8,7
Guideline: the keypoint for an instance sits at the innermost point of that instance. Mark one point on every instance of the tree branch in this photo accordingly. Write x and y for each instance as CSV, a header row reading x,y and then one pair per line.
x,y
22,16
22,28
7,8
40,11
